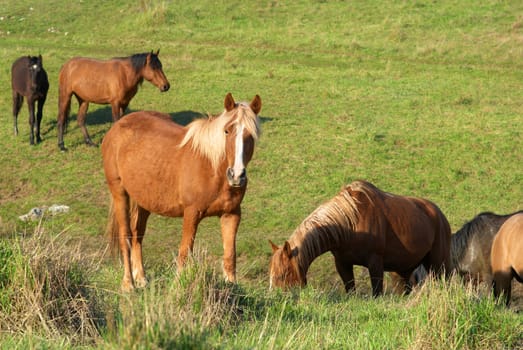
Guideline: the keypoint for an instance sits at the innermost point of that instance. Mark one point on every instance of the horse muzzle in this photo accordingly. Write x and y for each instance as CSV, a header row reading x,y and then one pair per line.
x,y
236,180
165,87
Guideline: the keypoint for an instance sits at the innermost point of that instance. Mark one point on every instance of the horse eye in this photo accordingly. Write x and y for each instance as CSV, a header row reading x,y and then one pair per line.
x,y
226,132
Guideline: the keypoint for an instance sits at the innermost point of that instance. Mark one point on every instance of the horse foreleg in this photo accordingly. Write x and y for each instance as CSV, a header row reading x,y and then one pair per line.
x,y
346,272
191,219
375,267
82,113
138,231
229,225
31,105
118,110
39,116
17,104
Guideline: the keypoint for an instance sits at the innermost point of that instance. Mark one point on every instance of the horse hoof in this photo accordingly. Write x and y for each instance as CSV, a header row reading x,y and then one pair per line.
x,y
127,287
141,283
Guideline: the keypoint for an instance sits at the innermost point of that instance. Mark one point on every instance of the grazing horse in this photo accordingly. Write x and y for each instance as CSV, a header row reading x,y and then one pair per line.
x,y
365,226
153,165
507,256
113,82
29,79
471,246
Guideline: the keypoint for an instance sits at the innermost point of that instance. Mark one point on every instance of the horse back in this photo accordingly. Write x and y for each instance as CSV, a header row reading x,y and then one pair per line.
x,y
96,80
507,247
416,227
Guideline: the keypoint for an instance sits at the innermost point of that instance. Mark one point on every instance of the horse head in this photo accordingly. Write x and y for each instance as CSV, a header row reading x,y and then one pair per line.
x,y
153,71
283,268
240,134
34,68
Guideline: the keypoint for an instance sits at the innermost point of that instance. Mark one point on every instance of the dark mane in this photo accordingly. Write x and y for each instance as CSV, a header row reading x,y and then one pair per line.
x,y
138,60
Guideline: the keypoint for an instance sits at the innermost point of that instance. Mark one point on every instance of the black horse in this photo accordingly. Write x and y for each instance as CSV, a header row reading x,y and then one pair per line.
x,y
29,79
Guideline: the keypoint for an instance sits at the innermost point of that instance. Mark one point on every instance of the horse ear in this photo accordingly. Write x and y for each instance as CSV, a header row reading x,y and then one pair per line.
x,y
40,58
229,103
256,104
157,52
273,246
287,249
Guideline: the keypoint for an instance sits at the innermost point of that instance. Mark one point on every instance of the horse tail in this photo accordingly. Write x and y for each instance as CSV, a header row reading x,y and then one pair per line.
x,y
113,230
113,227
444,241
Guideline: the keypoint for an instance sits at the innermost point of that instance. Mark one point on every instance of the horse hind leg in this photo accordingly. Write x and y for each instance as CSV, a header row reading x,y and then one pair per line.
x,y
82,113
502,285
64,106
17,104
139,218
121,213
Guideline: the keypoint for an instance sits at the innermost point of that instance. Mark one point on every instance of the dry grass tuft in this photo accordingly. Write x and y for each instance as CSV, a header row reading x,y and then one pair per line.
x,y
44,288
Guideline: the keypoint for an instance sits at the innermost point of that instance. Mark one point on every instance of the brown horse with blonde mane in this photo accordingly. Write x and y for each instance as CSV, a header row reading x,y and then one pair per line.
x,y
507,257
153,165
113,82
365,226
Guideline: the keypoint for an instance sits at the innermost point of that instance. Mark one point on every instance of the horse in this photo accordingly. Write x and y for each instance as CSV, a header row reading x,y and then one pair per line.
x,y
506,257
363,225
29,79
113,82
154,165
471,246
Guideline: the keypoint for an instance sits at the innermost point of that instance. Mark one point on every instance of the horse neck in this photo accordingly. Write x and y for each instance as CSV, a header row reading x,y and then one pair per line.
x,y
135,78
322,231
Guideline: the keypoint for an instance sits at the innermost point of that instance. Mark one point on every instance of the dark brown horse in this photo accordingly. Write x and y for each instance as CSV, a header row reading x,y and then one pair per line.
x,y
365,226
113,82
507,256
29,79
153,165
471,246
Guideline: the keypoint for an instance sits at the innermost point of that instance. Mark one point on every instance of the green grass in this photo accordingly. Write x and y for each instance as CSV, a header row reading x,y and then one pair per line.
x,y
421,98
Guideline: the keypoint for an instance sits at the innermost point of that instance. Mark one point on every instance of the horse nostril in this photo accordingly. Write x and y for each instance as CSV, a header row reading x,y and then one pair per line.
x,y
243,175
166,87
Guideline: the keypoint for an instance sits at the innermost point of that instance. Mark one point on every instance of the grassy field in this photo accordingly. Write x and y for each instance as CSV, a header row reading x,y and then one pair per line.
x,y
421,98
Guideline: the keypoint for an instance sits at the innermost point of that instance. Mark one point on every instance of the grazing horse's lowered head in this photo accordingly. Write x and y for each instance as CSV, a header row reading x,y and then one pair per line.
x,y
363,225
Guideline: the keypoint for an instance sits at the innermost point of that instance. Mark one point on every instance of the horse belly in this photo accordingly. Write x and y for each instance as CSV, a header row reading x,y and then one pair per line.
x,y
155,193
98,86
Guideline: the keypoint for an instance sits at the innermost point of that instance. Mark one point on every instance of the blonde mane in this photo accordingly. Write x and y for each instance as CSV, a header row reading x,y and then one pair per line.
x,y
207,136
331,223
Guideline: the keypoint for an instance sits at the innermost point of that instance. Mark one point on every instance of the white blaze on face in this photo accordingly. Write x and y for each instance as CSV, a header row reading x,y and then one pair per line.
x,y
238,167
